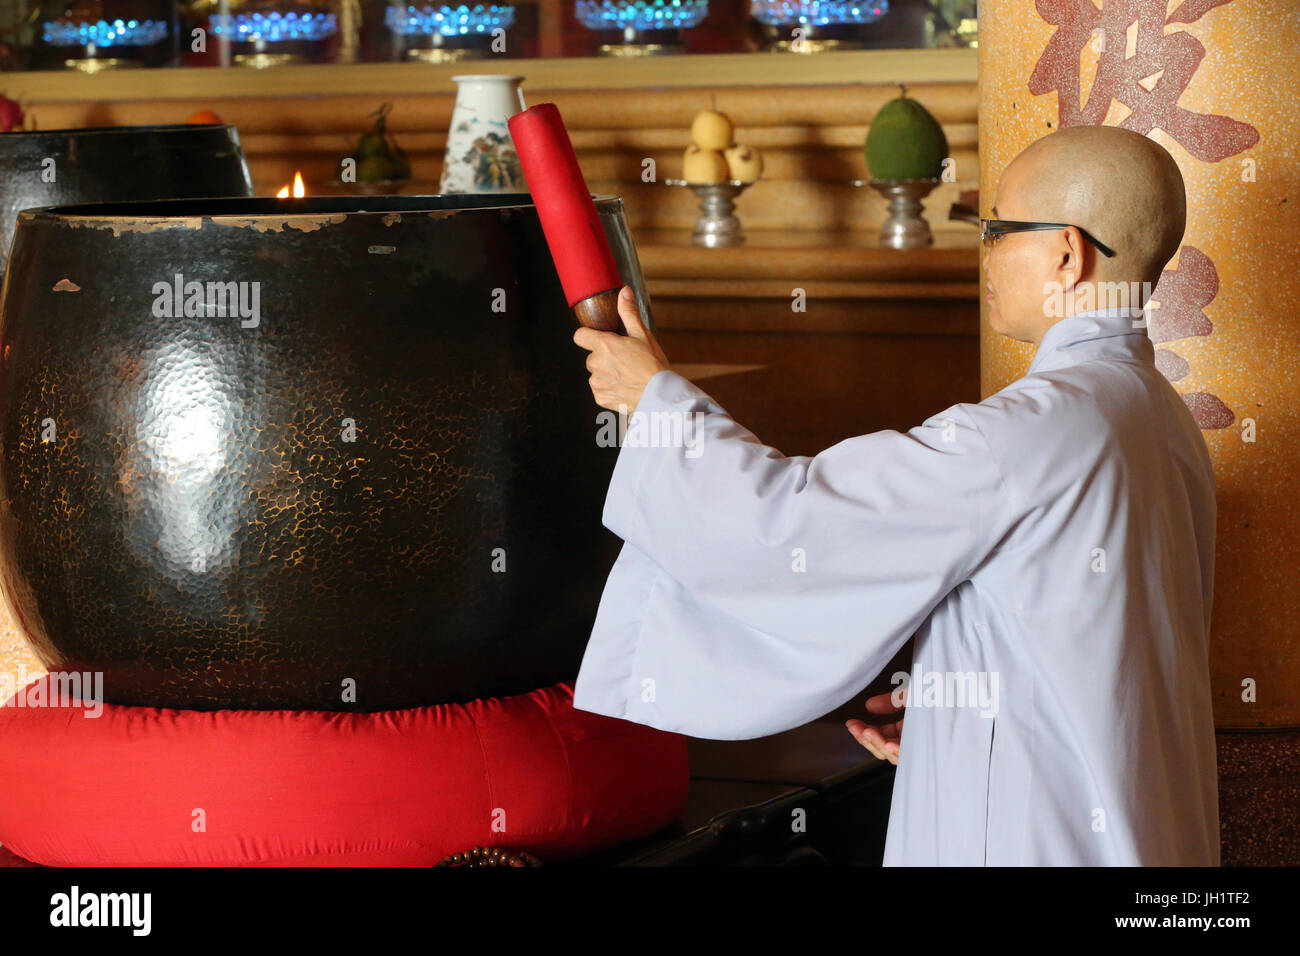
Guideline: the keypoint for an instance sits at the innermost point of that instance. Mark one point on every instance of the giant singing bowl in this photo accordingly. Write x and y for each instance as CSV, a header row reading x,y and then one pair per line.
x,y
384,493
116,163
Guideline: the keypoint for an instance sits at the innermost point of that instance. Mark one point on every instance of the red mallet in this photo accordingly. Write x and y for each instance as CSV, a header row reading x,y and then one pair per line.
x,y
569,219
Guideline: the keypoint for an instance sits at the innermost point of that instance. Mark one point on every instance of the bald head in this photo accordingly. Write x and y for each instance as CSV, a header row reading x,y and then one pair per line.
x,y
1119,186
1123,188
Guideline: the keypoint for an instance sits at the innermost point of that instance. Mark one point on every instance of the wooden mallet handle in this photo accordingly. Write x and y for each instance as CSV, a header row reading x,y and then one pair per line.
x,y
600,311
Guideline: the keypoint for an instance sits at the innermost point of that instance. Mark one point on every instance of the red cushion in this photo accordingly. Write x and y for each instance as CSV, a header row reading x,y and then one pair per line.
x,y
402,787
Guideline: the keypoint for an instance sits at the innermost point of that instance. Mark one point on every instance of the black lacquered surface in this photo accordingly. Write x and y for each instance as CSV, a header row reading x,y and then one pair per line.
x,y
201,529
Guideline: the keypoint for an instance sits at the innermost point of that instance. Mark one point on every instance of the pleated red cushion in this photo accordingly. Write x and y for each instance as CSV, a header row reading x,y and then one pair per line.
x,y
144,786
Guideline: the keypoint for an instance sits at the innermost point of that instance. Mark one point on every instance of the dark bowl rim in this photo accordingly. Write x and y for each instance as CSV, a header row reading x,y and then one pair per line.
x,y
269,208
103,130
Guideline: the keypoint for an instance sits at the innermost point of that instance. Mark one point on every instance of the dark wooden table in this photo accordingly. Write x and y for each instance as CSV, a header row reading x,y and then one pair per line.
x,y
811,796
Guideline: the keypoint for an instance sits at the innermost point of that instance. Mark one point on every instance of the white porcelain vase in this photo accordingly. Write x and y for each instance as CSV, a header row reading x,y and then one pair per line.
x,y
480,155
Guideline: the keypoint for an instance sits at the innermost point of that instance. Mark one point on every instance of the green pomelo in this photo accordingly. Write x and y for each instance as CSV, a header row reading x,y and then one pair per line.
x,y
905,142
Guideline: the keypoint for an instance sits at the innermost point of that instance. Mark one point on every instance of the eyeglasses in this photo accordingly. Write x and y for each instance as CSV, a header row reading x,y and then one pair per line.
x,y
992,230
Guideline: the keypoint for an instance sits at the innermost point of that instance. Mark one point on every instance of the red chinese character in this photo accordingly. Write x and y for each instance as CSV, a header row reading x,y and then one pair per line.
x,y
1167,61
1175,56
1183,296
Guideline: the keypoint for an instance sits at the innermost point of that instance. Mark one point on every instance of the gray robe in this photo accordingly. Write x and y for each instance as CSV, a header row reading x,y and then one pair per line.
x,y
1052,549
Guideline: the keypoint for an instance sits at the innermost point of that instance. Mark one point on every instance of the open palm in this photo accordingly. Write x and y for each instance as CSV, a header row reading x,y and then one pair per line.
x,y
882,740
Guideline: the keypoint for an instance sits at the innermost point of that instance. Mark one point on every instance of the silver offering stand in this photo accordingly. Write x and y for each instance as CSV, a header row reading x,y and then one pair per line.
x,y
905,228
717,225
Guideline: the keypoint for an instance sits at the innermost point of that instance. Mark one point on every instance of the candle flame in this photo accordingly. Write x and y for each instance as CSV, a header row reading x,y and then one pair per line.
x,y
299,190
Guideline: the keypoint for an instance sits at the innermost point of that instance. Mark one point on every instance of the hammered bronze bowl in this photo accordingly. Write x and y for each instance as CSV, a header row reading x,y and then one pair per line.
x,y
332,454
116,163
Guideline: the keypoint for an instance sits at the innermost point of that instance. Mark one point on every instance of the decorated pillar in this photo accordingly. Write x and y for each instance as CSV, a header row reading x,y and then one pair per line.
x,y
1215,83
18,665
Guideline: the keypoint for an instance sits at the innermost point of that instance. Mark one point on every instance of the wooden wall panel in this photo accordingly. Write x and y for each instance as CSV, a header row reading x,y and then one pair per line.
x,y
818,388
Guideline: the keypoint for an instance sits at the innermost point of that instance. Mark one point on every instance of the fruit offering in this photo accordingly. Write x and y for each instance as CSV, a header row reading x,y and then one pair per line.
x,y
743,163
905,141
378,157
713,157
711,130
205,118
703,165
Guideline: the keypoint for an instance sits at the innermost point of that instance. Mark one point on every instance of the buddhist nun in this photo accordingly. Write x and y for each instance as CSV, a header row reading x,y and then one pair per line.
x,y
1050,548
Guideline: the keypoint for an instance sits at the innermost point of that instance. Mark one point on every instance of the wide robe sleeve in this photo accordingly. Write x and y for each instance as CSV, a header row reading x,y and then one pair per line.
x,y
756,592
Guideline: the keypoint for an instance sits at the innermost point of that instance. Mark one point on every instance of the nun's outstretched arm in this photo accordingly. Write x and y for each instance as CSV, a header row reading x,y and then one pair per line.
x,y
756,592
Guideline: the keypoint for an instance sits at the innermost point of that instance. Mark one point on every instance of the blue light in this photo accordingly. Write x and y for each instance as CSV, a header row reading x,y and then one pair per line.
x,y
641,14
273,27
104,33
448,20
817,12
